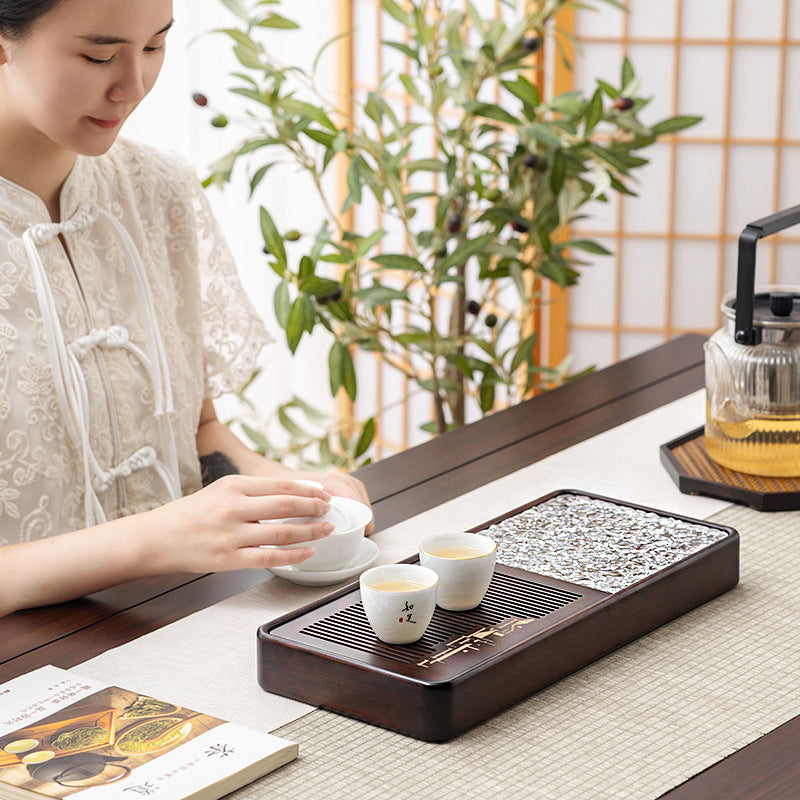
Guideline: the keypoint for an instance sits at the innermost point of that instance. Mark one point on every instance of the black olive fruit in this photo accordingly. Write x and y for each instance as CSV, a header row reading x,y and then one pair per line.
x,y
473,307
454,223
532,43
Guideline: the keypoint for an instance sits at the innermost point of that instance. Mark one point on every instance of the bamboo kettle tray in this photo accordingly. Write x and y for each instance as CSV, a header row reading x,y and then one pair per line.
x,y
578,576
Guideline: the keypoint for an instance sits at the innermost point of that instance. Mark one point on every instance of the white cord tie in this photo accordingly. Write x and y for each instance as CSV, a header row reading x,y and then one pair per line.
x,y
45,232
68,377
108,338
143,458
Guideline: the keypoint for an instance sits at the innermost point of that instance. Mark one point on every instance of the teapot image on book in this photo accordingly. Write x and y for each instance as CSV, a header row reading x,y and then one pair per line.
x,y
752,368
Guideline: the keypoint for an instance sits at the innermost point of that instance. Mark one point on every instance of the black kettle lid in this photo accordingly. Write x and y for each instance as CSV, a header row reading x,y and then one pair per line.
x,y
773,307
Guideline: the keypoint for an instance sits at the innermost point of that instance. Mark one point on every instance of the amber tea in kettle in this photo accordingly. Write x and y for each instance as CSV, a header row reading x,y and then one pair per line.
x,y
752,369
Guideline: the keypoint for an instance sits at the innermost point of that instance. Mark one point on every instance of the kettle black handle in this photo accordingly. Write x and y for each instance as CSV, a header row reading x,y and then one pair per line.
x,y
746,270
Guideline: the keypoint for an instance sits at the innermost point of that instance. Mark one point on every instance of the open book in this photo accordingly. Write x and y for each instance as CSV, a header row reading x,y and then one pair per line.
x,y
62,735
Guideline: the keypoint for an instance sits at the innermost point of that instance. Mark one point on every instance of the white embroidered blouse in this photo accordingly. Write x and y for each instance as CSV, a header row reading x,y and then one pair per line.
x,y
114,326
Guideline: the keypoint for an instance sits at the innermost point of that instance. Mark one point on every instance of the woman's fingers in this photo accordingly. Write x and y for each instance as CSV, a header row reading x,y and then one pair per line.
x,y
242,498
279,534
256,486
268,557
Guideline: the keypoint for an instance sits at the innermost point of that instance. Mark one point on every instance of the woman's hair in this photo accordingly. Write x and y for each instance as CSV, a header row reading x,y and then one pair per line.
x,y
18,16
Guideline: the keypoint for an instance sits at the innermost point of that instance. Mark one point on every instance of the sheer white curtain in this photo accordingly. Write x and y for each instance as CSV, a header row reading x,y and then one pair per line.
x,y
198,61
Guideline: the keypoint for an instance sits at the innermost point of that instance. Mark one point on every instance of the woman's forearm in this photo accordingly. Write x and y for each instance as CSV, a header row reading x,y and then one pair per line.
x,y
74,564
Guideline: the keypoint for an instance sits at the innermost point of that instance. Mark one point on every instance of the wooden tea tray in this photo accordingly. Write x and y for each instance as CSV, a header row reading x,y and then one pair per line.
x,y
529,631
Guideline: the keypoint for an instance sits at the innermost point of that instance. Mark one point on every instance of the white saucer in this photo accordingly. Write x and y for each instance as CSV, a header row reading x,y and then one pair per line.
x,y
367,553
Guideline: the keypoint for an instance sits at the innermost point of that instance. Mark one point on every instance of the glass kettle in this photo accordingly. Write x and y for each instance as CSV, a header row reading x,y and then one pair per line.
x,y
752,368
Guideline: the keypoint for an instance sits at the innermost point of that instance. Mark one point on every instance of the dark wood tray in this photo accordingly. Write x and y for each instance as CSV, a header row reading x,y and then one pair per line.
x,y
529,631
694,472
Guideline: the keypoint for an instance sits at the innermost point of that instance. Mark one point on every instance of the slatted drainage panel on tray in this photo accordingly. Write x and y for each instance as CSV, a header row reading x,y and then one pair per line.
x,y
510,597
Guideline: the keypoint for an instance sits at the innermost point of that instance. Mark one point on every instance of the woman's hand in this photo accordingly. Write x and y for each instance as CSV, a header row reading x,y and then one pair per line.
x,y
218,528
213,437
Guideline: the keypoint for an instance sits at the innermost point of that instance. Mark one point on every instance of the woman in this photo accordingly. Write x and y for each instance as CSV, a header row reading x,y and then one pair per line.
x,y
121,318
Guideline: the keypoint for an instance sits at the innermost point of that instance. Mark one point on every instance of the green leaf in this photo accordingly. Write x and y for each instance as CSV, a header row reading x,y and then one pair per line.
x,y
296,324
399,261
404,49
464,250
367,435
335,369
674,124
277,21
368,242
306,268
247,57
325,46
374,108
631,124
378,295
417,338
558,172
394,10
300,108
309,313
524,90
589,246
258,177
627,72
240,37
411,88
523,352
544,134
257,438
486,395
318,286
290,425
427,165
611,91
348,373
281,303
272,239
490,111
321,137
608,157
354,180
594,111
570,103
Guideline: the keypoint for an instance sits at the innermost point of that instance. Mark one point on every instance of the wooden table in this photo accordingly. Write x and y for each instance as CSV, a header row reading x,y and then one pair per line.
x,y
402,486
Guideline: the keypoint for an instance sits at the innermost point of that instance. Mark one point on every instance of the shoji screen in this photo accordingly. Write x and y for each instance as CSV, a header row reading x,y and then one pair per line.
x,y
731,61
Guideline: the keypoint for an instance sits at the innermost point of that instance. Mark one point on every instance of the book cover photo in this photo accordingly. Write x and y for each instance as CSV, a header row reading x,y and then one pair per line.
x,y
62,735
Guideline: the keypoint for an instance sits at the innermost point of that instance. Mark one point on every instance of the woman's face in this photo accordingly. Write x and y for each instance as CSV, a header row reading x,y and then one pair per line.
x,y
81,70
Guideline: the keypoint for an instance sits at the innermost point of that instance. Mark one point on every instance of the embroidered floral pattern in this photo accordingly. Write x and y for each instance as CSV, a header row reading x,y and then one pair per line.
x,y
212,335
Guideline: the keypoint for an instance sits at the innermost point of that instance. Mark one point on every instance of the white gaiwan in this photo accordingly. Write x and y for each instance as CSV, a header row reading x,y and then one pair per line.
x,y
349,518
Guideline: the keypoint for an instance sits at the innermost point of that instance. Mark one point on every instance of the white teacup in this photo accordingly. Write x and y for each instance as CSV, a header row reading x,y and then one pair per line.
x,y
349,518
399,600
464,563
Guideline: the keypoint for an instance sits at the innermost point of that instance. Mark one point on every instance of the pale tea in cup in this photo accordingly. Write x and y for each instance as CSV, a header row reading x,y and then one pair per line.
x,y
464,563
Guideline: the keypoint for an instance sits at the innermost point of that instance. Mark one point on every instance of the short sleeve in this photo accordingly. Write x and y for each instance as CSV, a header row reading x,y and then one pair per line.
x,y
233,332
